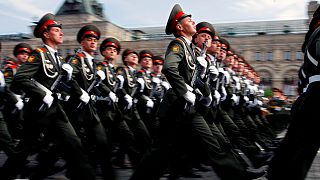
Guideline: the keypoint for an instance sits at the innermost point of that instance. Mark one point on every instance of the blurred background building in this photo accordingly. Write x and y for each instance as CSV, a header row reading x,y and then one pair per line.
x,y
273,48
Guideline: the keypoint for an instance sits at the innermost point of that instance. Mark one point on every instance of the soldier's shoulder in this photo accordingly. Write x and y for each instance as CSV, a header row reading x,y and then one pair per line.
x,y
175,46
120,69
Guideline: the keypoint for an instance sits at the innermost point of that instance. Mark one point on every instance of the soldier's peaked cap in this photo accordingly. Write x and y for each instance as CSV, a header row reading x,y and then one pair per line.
x,y
22,47
176,15
157,60
88,31
126,52
224,44
110,42
47,21
205,27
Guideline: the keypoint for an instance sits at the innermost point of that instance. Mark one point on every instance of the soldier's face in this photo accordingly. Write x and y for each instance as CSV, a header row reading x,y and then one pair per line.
x,y
157,68
110,53
214,48
89,44
131,59
22,57
146,62
201,38
55,35
222,54
188,26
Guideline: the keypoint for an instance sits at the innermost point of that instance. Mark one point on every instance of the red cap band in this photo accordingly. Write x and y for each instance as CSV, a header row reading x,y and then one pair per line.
x,y
24,49
89,33
204,29
176,18
111,44
146,55
46,24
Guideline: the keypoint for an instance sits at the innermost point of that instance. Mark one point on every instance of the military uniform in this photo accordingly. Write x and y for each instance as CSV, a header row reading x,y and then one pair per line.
x,y
130,114
108,110
83,115
35,77
294,157
176,122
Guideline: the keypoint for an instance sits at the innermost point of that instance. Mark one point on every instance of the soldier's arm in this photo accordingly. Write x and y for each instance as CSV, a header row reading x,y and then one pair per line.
x,y
27,71
174,55
103,88
121,72
76,74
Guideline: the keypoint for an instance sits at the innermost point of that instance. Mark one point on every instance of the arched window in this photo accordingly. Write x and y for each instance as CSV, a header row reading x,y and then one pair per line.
x,y
265,79
290,81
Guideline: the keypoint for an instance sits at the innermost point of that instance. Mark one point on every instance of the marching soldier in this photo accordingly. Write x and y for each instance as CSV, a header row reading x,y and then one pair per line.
x,y
145,96
177,113
82,111
39,77
13,109
107,103
128,97
294,157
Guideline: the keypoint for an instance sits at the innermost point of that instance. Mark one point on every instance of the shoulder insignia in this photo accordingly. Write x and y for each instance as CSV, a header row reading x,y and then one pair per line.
x,y
74,61
31,59
6,74
99,67
80,54
119,70
175,48
40,50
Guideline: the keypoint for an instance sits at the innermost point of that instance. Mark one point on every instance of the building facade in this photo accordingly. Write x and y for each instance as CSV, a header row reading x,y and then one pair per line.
x,y
273,48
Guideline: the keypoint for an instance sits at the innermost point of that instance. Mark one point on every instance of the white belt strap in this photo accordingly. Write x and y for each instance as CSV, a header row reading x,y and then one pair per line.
x,y
314,78
315,62
42,87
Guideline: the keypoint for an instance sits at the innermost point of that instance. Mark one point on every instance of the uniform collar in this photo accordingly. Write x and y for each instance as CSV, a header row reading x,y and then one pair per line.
x,y
89,57
52,51
187,40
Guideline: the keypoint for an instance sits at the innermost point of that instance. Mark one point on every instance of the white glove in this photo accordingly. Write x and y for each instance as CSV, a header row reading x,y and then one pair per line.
x,y
113,96
235,99
84,97
2,81
19,105
223,93
246,99
190,97
150,103
156,80
221,70
203,63
213,73
66,67
166,85
141,82
128,98
206,100
217,96
226,77
101,74
121,81
48,99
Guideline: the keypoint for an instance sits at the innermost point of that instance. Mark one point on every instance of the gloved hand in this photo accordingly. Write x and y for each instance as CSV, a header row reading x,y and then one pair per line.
x,y
206,100
128,98
217,96
246,99
213,73
223,93
48,100
19,105
84,97
190,97
101,74
68,69
141,83
235,99
203,63
150,103
2,81
166,85
121,81
113,96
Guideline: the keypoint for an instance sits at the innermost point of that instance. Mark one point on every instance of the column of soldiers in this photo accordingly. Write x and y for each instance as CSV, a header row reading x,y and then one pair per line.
x,y
200,105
